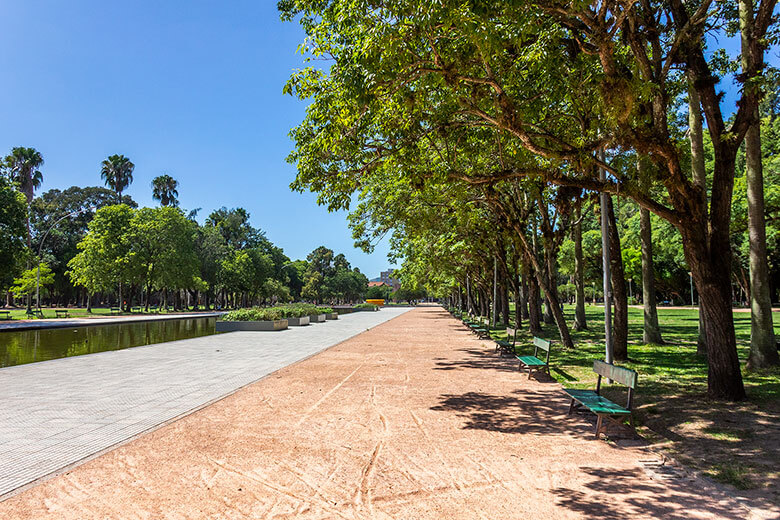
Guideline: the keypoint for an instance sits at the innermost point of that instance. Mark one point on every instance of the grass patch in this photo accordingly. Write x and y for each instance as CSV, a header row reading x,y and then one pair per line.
x,y
735,443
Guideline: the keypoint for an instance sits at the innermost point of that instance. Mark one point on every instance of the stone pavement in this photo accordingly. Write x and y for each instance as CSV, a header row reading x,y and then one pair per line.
x,y
63,323
56,413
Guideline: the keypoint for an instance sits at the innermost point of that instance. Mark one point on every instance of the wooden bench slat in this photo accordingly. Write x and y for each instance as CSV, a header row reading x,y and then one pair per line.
x,y
531,361
624,376
596,403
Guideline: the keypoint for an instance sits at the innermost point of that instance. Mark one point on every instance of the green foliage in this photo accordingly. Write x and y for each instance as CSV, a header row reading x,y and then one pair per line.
x,y
367,306
12,218
26,283
255,314
117,173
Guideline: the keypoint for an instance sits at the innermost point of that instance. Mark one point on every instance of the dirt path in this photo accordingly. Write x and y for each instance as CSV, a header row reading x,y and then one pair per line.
x,y
414,419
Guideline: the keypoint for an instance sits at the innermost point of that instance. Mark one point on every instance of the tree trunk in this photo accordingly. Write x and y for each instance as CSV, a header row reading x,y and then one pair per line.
x,y
579,274
518,304
89,302
652,332
534,310
619,294
524,296
763,348
696,133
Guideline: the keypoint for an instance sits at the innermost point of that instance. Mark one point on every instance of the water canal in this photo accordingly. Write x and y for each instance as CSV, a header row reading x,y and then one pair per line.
x,y
30,346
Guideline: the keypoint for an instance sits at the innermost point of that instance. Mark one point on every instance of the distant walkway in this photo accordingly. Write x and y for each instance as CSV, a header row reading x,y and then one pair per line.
x,y
64,323
56,413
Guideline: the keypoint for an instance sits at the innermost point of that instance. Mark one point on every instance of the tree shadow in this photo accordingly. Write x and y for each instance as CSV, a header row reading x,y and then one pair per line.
x,y
640,497
522,412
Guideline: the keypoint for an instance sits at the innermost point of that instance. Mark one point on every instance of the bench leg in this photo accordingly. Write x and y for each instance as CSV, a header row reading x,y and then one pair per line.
x,y
599,423
571,407
530,371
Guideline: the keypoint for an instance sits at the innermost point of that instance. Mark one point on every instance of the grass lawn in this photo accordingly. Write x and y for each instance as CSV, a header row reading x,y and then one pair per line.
x,y
74,312
738,444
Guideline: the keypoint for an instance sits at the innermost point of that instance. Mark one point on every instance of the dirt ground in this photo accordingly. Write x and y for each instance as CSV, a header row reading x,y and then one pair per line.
x,y
414,419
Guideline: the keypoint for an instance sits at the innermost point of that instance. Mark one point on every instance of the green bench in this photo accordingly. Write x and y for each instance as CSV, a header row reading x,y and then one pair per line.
x,y
506,347
601,406
34,313
535,363
5,315
115,310
478,328
61,313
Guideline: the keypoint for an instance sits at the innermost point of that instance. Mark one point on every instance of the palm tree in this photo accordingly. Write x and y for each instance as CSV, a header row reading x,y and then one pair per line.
x,y
22,166
117,172
164,190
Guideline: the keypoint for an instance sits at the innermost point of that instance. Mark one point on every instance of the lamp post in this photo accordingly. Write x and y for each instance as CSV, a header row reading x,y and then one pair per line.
x,y
40,250
690,275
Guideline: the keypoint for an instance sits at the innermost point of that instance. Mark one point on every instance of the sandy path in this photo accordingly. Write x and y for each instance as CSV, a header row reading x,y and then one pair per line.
x,y
414,419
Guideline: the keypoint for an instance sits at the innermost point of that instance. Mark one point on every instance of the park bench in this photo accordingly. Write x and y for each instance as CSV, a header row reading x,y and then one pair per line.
x,y
115,310
507,347
479,328
601,406
535,363
34,313
136,309
5,315
61,313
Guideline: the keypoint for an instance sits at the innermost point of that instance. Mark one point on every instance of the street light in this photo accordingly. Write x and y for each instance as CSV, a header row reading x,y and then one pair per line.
x,y
690,275
40,250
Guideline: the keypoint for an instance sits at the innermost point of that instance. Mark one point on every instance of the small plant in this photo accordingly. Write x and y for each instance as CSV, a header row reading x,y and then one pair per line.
x,y
254,314
324,310
369,306
734,474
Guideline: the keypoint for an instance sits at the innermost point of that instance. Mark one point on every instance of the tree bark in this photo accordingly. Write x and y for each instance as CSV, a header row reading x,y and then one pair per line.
x,y
534,309
651,332
763,348
696,133
579,274
619,293
524,296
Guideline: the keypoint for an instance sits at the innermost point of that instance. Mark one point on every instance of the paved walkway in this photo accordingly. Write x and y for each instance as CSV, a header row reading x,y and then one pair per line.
x,y
56,413
63,323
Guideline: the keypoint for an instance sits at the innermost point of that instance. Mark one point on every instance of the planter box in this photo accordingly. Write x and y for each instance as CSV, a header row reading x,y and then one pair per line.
x,y
298,322
231,326
317,318
332,316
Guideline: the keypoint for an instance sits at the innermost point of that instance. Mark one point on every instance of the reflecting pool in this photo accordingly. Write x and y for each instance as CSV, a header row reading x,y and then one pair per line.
x,y
29,346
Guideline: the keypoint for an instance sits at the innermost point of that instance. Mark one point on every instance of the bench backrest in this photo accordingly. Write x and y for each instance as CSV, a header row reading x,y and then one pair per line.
x,y
511,335
543,344
624,376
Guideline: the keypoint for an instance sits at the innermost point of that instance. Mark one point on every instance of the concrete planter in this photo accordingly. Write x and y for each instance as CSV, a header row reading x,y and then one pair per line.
x,y
231,326
332,316
298,322
317,318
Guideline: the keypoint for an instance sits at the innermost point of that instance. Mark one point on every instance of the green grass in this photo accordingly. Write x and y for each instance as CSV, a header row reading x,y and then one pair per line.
x,y
728,441
74,312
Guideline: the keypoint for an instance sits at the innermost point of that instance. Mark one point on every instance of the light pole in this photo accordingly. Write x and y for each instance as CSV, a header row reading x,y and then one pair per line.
x,y
690,275
40,250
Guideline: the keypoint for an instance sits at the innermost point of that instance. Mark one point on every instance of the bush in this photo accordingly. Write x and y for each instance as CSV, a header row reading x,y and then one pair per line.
x,y
369,306
254,314
324,310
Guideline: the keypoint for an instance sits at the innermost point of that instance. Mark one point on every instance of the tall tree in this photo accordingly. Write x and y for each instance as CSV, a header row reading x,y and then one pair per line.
x,y
23,167
117,173
579,271
164,190
12,221
763,348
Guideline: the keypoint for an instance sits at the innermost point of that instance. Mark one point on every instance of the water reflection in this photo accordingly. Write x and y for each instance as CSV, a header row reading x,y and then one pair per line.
x,y
29,346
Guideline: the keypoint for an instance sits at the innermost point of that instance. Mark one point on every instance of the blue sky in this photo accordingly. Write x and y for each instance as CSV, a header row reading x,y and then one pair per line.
x,y
192,89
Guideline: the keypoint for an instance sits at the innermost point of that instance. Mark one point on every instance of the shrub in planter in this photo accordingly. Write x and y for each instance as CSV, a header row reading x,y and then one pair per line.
x,y
366,307
252,319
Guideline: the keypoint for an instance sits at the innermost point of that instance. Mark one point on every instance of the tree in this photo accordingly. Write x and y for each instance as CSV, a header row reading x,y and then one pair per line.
x,y
12,230
164,190
117,173
22,165
27,283
406,74
103,260
234,226
763,347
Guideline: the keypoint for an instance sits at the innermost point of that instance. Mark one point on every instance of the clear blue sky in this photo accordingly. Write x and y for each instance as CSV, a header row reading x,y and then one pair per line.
x,y
192,89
